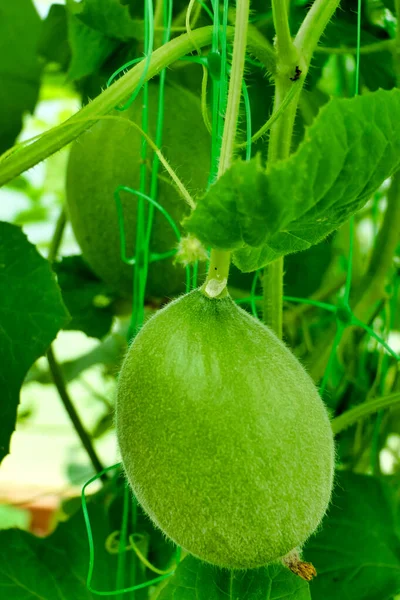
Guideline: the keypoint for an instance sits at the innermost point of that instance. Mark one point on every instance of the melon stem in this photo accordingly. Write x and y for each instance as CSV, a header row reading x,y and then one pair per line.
x,y
217,277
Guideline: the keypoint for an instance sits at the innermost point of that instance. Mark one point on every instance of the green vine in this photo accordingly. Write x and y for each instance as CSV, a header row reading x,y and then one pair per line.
x,y
292,63
366,409
25,157
217,276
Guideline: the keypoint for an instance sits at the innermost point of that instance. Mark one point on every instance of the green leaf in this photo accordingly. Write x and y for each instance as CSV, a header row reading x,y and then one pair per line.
x,y
86,297
196,580
109,17
89,48
19,66
53,43
348,151
357,551
376,68
31,314
56,567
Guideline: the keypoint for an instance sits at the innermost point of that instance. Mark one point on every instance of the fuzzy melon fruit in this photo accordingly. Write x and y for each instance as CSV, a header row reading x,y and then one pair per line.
x,y
223,436
108,155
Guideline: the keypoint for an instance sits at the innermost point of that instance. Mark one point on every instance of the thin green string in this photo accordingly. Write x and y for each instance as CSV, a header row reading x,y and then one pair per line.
x,y
148,44
92,551
120,213
139,273
167,21
121,563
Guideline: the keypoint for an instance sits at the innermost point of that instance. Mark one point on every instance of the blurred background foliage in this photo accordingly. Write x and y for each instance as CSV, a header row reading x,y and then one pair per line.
x,y
58,57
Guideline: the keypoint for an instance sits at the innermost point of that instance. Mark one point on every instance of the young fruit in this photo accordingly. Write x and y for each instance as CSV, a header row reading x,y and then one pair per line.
x,y
223,436
109,155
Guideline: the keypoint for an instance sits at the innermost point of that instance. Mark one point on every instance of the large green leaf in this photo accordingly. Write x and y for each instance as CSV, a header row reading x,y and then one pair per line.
x,y
19,66
86,297
195,580
53,44
109,17
31,314
89,47
349,150
357,551
56,567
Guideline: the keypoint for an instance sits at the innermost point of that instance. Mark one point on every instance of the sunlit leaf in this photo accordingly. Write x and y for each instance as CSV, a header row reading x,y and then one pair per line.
x,y
349,150
19,66
31,314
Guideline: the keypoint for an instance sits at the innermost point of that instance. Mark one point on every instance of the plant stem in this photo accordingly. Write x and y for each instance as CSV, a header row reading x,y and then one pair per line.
x,y
217,276
26,156
59,382
372,286
279,149
235,86
280,17
290,58
158,23
363,410
55,368
367,49
57,236
313,26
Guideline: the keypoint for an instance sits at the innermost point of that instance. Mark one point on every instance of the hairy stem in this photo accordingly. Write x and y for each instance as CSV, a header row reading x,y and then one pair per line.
x,y
313,27
279,149
280,16
26,156
217,276
363,410
292,63
235,86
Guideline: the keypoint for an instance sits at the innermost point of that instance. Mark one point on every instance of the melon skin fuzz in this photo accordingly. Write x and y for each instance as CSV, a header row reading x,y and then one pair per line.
x,y
224,438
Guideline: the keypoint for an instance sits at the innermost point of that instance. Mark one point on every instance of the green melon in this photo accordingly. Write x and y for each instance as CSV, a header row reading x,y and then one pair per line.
x,y
108,155
224,438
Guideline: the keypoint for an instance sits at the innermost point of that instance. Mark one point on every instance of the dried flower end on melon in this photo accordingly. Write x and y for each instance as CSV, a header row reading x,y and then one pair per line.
x,y
224,438
108,156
